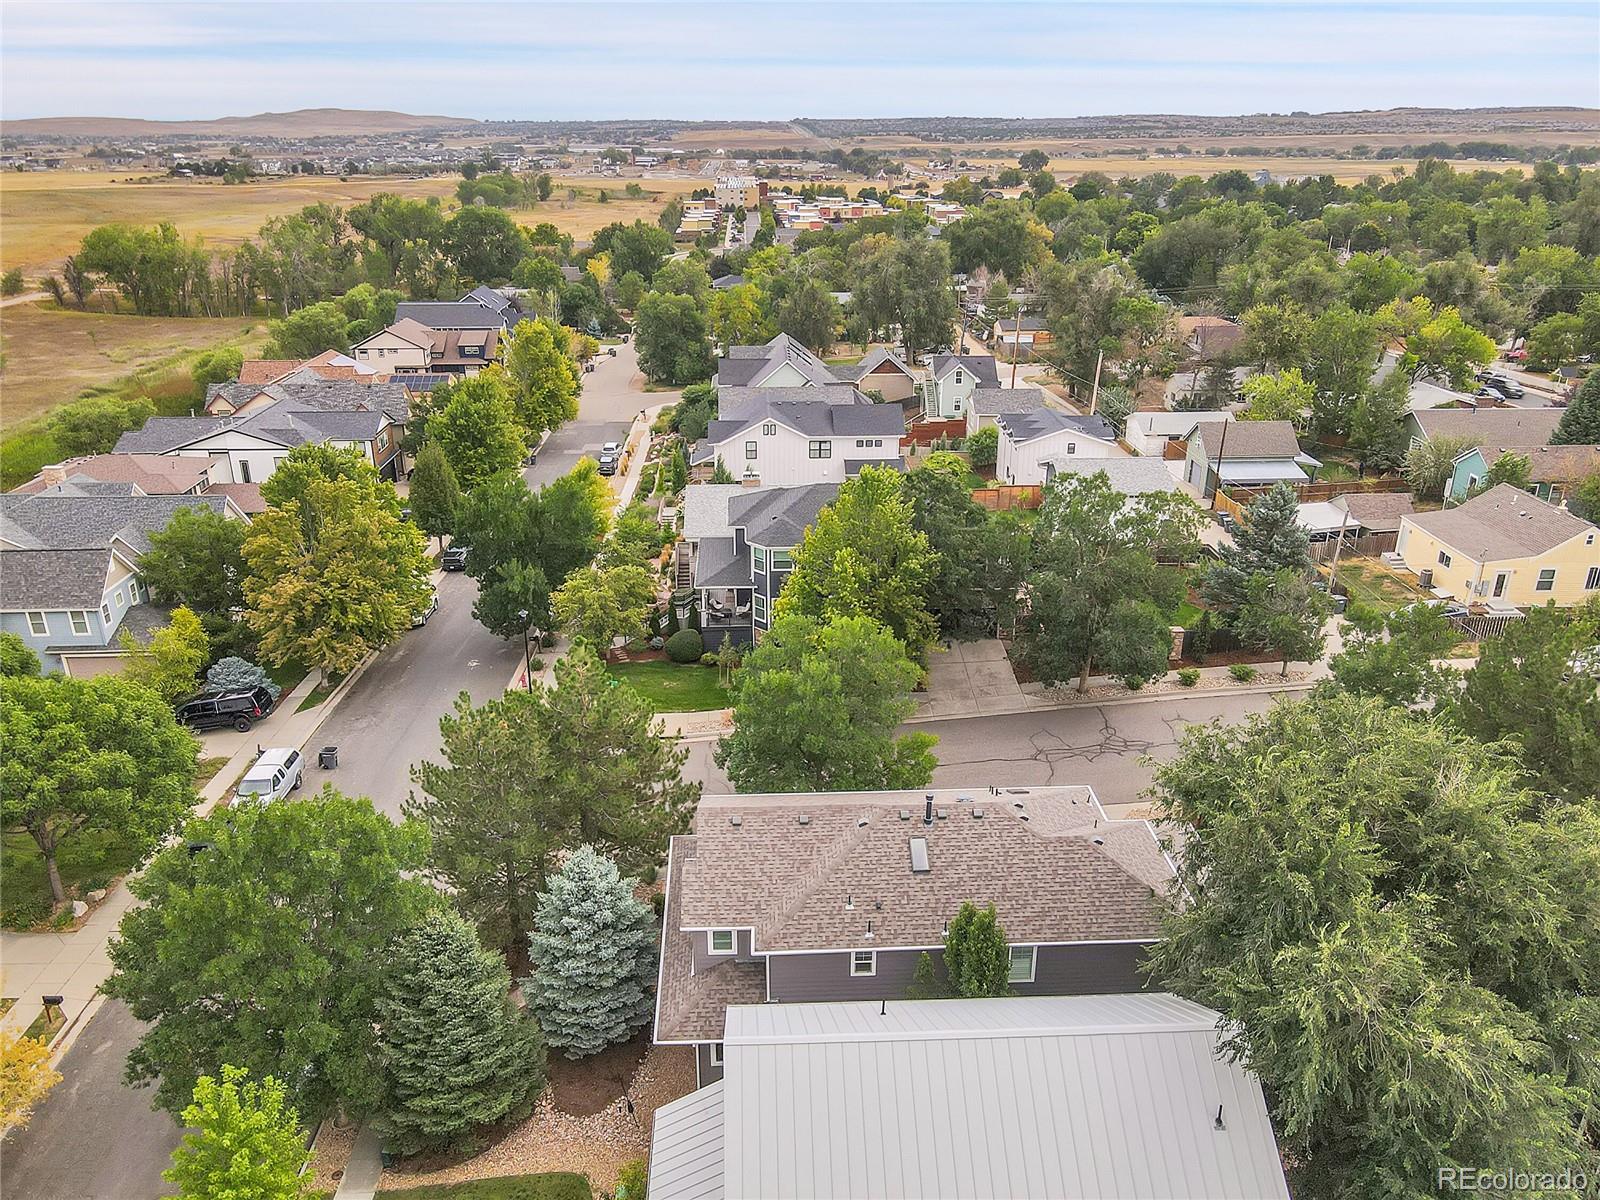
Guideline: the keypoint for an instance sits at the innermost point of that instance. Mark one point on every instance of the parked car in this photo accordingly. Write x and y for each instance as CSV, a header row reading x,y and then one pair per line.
x,y
217,708
608,464
1518,355
455,558
614,449
611,351
421,619
588,366
1506,387
271,777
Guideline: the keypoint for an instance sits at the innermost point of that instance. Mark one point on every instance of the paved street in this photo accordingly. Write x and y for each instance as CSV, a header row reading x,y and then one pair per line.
x,y
611,399
93,1138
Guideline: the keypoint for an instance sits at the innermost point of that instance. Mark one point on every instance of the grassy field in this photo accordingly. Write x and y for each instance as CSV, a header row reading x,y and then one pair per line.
x,y
674,687
52,355
557,1185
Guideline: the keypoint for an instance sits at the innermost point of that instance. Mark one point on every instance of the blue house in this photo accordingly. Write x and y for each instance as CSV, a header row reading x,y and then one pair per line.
x,y
1552,470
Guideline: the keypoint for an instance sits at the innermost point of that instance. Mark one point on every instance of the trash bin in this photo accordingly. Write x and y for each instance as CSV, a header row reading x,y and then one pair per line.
x,y
328,758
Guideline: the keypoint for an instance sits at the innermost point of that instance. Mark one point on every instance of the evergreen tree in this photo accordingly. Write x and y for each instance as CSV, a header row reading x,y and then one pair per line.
x,y
457,1053
1269,539
594,953
721,474
976,957
1580,424
435,495
246,1143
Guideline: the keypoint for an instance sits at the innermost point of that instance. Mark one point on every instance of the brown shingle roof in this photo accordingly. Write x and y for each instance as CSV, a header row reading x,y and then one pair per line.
x,y
153,474
1504,427
1551,464
1504,522
690,1005
258,371
246,497
1247,439
1377,511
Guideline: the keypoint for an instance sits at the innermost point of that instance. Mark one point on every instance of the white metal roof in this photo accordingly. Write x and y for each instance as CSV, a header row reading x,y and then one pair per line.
x,y
686,1147
1060,1097
1321,516
1260,470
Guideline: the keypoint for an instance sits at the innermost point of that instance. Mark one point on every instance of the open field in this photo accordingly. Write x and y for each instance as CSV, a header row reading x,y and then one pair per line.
x,y
52,355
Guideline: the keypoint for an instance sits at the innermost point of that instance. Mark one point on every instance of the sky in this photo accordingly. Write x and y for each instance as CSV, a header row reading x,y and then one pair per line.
x,y
777,61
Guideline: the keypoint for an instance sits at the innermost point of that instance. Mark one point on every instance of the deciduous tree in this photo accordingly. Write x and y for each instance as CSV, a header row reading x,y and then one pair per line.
x,y
170,664
670,332
602,604
1393,655
197,561
543,376
435,495
1282,397
1283,613
26,1076
247,1141
478,429
1428,465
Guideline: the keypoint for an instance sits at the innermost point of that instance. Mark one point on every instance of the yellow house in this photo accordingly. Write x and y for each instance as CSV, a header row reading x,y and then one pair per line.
x,y
1504,547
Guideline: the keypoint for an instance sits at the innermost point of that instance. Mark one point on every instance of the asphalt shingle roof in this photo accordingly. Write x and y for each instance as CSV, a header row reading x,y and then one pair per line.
x,y
746,365
1508,428
981,365
52,579
1247,439
1503,522
1039,422
451,314
992,401
778,517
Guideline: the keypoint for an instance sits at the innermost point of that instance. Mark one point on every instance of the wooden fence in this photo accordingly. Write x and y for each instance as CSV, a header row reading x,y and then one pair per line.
x,y
1308,493
1008,496
1478,626
1371,545
925,433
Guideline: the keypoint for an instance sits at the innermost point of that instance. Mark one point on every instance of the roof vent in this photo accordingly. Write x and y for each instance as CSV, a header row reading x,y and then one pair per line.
x,y
861,822
869,930
804,819
736,820
944,814
1099,841
977,812
905,814
1022,816
919,856
927,810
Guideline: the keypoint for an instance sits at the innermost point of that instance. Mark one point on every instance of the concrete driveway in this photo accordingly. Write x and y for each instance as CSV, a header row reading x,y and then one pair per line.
x,y
968,679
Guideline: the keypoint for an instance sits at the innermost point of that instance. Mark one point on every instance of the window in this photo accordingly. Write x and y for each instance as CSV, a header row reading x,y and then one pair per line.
x,y
770,429
105,611
37,625
716,1054
1472,482
1444,559
758,609
1022,964
956,378
749,450
758,558
722,941
244,470
121,600
863,963
80,622
1547,580
868,443
1072,447
1593,579
820,448
782,560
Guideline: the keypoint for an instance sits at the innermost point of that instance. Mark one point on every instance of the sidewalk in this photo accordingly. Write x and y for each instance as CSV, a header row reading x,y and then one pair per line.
x,y
360,1178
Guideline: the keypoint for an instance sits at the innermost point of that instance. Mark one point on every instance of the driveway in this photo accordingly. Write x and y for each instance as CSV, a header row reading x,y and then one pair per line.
x,y
968,678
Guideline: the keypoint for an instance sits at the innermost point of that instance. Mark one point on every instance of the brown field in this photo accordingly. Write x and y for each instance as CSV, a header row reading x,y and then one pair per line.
x,y
51,354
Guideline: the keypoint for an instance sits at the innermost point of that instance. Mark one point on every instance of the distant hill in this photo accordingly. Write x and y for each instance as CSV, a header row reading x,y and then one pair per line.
x,y
304,122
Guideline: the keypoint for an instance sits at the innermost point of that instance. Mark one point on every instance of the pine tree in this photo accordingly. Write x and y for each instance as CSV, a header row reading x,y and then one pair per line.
x,y
435,495
457,1054
1580,424
722,474
593,947
977,960
1269,539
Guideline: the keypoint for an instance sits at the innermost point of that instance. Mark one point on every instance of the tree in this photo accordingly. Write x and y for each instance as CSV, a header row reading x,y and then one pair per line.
x,y
101,755
1003,237
457,1053
1448,349
217,366
235,674
630,290
514,599
543,376
816,707
603,604
1033,160
197,561
1393,656
736,316
1096,595
1282,397
1428,465
984,446
810,315
309,331
1555,341
864,556
1388,924
1512,468
92,424
16,657
170,665
1580,424
671,337
1583,501
434,496
977,960
478,429
1277,336
1269,539
904,282
1341,349
1377,428
558,528
681,277
333,577
594,956
25,1076
1538,684
638,247
247,1141
1283,613
260,942
313,462
978,556
484,243
530,774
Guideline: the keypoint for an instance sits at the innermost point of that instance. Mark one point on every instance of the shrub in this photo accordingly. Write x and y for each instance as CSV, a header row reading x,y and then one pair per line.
x,y
1243,672
708,659
631,1181
235,672
1189,676
1133,682
685,646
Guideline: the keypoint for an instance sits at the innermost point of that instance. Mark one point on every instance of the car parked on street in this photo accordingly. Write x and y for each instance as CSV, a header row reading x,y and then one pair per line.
x,y
455,558
612,448
421,619
1507,388
218,708
271,777
608,464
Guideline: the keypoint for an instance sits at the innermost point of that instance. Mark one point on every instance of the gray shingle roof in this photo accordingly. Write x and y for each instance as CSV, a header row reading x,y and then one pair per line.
x,y
1508,428
817,419
487,297
330,409
981,365
73,522
1247,439
1039,422
718,565
778,517
449,314
1130,476
52,579
992,401
747,365
1504,522
160,434
734,402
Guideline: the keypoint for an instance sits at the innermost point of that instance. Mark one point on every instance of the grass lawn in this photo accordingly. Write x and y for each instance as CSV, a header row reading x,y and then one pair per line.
x,y
674,687
288,676
317,695
86,860
557,1185
208,768
1375,587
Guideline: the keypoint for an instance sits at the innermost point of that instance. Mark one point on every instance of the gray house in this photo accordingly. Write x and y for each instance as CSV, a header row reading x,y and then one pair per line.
x,y
837,895
69,568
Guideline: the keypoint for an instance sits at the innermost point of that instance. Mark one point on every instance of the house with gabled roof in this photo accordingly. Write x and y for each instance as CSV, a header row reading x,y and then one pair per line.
x,y
409,347
1553,471
952,378
1028,440
1518,429
987,404
456,314
781,362
835,896
1244,454
883,371
780,437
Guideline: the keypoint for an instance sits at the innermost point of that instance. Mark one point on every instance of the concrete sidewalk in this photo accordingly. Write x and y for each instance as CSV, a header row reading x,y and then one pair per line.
x,y
361,1174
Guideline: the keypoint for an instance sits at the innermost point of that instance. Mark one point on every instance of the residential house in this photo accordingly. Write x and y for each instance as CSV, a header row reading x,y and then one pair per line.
x,y
952,378
69,567
1209,338
838,895
1519,429
1553,471
792,436
1029,439
882,371
1038,1097
1149,432
1130,476
1374,517
1019,338
782,362
408,347
1504,548
743,543
455,314
148,474
986,405
262,431
330,364
1245,454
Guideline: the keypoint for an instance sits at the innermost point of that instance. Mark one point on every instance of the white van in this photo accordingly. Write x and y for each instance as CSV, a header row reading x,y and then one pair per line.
x,y
271,777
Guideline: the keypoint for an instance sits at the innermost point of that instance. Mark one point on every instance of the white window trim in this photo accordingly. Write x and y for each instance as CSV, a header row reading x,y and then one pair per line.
x,y
758,558
711,941
1542,584
1033,965
73,617
758,609
715,1054
35,620
872,958
105,613
1592,580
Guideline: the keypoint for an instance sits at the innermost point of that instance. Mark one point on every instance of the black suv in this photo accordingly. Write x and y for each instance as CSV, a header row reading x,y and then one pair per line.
x,y
241,708
455,558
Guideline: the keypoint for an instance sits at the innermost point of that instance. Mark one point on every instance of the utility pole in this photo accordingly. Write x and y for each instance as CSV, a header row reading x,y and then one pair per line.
x,y
1016,342
1222,446
1094,393
1333,571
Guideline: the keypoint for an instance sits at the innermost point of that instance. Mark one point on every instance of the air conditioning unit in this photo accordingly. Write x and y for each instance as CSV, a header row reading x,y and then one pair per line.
x,y
1425,578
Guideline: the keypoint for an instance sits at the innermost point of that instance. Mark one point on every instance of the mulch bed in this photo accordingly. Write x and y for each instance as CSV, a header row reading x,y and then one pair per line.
x,y
591,1084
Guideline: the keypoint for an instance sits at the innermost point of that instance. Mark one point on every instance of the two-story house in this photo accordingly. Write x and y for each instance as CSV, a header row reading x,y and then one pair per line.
x,y
1553,471
838,895
952,378
779,363
1028,440
743,543
409,347
469,313
780,437
883,371
986,405
69,567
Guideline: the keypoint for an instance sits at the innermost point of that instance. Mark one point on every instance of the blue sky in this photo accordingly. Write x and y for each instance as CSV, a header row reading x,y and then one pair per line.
x,y
770,61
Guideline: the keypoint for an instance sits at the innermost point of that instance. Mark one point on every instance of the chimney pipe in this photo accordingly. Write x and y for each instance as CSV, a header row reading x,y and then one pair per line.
x,y
927,811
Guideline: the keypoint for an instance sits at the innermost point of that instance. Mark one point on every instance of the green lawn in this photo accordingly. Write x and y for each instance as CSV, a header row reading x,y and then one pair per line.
x,y
1375,587
86,860
558,1185
674,687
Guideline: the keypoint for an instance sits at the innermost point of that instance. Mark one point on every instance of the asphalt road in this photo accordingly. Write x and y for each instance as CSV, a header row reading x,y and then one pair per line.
x,y
93,1137
606,407
1101,746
